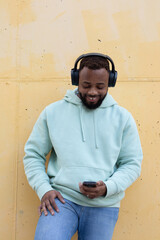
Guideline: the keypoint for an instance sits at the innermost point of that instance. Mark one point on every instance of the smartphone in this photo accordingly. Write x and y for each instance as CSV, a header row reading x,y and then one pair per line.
x,y
89,184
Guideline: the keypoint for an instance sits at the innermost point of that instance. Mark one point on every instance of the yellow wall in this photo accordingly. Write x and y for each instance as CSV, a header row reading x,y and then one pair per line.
x,y
39,42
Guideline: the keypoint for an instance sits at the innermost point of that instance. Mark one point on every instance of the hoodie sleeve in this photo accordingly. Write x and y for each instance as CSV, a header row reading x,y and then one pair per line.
x,y
36,149
128,162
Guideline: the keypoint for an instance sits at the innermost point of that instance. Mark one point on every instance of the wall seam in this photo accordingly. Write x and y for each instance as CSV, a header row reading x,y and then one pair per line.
x,y
65,80
17,122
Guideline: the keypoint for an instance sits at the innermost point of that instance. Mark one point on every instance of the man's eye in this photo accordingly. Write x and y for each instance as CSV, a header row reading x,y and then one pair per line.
x,y
100,87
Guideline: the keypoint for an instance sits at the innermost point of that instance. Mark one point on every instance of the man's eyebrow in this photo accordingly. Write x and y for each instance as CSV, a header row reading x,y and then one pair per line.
x,y
86,82
100,83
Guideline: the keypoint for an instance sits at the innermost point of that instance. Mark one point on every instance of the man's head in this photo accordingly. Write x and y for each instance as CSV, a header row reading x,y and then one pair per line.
x,y
93,80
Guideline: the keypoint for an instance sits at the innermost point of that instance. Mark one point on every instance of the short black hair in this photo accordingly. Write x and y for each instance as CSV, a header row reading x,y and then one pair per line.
x,y
94,63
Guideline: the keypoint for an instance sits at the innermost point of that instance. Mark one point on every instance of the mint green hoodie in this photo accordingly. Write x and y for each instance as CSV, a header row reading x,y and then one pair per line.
x,y
101,144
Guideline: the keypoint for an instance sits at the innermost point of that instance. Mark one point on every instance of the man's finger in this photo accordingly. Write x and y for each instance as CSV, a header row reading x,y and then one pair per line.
x,y
100,183
44,209
92,196
89,189
60,197
39,210
84,190
80,186
54,205
49,207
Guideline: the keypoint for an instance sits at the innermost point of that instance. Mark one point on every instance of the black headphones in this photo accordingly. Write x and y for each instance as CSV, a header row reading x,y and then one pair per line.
x,y
75,71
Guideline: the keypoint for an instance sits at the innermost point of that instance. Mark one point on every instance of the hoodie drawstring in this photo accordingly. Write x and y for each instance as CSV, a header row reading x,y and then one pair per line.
x,y
82,126
95,129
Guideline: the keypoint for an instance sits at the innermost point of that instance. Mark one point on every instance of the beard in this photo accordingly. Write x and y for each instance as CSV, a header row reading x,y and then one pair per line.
x,y
91,105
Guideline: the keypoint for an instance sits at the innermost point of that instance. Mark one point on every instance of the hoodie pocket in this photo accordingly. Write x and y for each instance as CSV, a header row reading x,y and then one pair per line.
x,y
70,177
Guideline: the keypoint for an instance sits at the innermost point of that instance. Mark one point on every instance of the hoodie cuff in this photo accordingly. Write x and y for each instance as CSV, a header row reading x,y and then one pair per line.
x,y
46,187
111,188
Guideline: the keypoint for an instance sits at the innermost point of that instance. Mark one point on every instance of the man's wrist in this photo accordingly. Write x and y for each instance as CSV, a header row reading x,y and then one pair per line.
x,y
105,192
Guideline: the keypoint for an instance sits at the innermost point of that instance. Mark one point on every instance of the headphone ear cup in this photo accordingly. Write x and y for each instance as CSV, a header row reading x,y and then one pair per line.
x,y
112,78
75,76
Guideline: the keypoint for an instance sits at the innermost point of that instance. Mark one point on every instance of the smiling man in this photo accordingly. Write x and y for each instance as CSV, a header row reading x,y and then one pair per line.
x,y
95,155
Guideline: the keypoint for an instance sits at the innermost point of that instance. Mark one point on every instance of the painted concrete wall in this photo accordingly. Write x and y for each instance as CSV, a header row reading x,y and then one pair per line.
x,y
39,41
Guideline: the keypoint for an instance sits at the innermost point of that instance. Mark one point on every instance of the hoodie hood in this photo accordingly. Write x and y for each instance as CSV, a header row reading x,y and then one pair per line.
x,y
71,97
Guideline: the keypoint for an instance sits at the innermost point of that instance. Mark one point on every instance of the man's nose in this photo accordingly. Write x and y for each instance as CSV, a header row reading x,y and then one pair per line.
x,y
92,92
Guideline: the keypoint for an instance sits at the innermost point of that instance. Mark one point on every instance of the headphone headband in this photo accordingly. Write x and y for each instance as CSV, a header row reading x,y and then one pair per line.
x,y
75,71
92,55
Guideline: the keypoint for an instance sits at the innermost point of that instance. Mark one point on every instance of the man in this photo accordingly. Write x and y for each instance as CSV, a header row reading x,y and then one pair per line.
x,y
91,138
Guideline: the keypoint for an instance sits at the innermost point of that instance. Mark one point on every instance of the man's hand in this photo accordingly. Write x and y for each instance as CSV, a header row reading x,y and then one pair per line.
x,y
48,202
94,192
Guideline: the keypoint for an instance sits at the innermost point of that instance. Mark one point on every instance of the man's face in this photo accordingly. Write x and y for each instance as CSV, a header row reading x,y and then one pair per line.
x,y
93,86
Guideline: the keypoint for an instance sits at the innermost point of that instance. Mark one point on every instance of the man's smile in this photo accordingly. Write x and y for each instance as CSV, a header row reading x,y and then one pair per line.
x,y
92,99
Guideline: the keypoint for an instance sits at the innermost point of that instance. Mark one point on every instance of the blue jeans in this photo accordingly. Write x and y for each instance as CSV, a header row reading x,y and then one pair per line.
x,y
92,223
